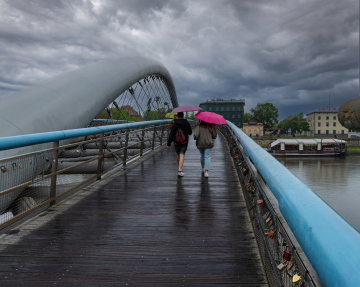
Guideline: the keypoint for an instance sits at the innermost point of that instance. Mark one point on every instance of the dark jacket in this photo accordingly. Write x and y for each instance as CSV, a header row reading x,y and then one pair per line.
x,y
179,124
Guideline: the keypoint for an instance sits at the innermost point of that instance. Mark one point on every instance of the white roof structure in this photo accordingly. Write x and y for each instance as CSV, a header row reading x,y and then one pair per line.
x,y
73,99
307,141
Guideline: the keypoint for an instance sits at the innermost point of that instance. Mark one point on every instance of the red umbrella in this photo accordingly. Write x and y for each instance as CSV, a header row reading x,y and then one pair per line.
x,y
211,118
186,109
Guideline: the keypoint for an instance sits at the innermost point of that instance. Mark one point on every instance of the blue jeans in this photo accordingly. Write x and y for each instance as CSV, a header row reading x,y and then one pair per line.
x,y
205,157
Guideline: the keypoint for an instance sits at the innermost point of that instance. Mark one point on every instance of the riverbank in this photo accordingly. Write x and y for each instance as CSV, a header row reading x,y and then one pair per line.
x,y
353,149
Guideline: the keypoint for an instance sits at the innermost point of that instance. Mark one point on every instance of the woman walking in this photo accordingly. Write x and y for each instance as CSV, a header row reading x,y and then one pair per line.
x,y
204,134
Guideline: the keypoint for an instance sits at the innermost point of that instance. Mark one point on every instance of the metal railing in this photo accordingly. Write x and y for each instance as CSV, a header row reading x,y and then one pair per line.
x,y
290,220
30,183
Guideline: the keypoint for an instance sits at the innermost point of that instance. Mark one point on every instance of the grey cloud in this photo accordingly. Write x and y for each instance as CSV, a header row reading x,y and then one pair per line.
x,y
258,50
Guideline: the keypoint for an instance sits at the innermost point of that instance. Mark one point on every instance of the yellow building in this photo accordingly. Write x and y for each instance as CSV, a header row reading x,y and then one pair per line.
x,y
325,122
253,128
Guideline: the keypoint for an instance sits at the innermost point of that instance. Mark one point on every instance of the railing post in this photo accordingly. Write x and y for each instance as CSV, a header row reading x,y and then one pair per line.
x,y
101,157
54,170
162,134
126,145
154,133
142,142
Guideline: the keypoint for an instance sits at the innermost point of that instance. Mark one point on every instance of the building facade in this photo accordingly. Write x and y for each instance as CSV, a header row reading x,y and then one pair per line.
x,y
253,128
325,122
131,111
232,110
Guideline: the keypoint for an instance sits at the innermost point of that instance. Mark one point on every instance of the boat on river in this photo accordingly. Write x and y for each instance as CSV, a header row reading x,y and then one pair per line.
x,y
307,147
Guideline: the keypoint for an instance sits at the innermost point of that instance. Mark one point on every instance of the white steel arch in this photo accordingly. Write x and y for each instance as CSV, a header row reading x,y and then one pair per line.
x,y
73,99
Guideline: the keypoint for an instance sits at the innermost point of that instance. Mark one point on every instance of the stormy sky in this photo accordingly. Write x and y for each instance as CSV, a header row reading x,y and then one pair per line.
x,y
292,53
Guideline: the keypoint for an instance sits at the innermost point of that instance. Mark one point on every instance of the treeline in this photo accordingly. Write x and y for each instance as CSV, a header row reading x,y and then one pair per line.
x,y
122,114
268,114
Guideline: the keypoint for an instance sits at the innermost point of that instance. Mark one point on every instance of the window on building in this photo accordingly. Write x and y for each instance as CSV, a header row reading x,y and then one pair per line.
x,y
233,108
327,132
319,132
327,117
319,118
327,124
222,108
342,131
334,124
233,116
334,132
216,108
319,124
335,118
228,108
239,116
210,109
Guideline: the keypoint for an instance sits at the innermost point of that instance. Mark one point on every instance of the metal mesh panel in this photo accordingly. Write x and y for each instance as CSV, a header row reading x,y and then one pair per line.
x,y
282,263
29,182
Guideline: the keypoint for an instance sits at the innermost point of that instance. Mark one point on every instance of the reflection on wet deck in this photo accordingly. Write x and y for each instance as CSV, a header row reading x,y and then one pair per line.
x,y
145,227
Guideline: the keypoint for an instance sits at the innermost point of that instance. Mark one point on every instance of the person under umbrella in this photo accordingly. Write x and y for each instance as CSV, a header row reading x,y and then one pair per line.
x,y
204,135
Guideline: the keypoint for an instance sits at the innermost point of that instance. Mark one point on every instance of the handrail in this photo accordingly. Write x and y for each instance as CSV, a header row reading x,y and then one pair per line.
x,y
32,139
328,240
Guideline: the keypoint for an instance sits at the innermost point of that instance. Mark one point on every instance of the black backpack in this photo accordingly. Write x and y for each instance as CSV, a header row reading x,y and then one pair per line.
x,y
180,138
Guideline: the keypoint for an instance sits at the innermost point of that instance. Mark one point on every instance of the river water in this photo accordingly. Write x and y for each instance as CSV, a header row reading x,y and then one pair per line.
x,y
335,179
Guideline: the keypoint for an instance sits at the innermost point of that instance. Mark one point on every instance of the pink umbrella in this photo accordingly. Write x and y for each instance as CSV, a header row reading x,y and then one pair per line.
x,y
186,109
211,118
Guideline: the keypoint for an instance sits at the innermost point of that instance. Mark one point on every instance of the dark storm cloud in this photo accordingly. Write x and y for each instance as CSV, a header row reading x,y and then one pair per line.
x,y
291,53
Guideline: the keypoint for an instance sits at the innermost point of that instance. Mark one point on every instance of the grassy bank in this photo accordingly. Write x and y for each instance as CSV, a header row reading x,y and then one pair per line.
x,y
353,149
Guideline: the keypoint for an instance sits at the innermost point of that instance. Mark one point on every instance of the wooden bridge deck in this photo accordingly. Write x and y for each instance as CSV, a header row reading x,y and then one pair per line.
x,y
144,227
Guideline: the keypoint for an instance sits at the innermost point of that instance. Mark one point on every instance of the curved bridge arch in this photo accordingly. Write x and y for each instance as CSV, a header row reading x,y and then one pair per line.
x,y
73,99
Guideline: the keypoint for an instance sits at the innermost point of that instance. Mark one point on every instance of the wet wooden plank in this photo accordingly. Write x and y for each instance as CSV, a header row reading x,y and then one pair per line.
x,y
146,227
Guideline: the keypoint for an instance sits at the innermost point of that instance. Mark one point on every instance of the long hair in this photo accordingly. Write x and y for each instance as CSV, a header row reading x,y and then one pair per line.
x,y
203,124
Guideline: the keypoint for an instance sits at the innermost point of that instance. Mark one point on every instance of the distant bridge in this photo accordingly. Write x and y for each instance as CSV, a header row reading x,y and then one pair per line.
x,y
111,209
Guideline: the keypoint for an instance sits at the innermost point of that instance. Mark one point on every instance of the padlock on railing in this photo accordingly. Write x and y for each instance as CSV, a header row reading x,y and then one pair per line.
x,y
3,169
268,219
290,264
287,254
271,233
282,265
296,278
260,201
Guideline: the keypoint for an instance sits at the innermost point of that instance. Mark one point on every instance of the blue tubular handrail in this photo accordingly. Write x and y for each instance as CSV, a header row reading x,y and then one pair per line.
x,y
33,139
331,243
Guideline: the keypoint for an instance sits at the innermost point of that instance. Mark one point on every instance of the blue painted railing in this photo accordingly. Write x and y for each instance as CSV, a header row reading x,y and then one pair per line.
x,y
33,139
329,241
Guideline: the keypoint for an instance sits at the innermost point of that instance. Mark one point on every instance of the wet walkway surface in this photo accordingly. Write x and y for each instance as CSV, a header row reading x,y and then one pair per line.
x,y
146,227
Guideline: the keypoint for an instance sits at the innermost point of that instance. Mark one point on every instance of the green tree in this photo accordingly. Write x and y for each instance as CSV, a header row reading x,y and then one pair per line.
x,y
267,113
190,116
247,117
296,125
122,115
154,115
300,116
